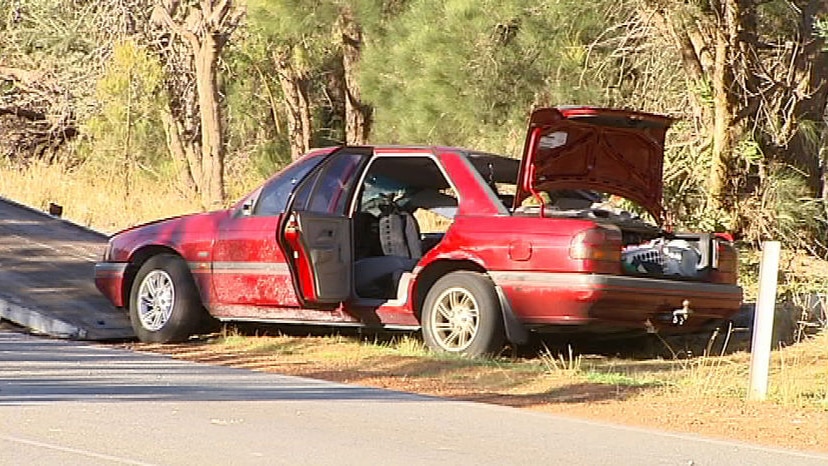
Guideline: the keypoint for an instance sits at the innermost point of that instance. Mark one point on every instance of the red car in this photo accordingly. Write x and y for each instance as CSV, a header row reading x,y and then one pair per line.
x,y
472,248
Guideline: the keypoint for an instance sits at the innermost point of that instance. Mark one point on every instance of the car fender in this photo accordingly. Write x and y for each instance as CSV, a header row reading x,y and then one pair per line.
x,y
434,266
136,249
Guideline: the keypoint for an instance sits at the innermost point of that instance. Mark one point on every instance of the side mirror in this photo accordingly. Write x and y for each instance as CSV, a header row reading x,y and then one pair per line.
x,y
247,208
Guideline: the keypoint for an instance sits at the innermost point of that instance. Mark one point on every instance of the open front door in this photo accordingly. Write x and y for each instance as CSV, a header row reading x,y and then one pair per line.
x,y
315,233
321,257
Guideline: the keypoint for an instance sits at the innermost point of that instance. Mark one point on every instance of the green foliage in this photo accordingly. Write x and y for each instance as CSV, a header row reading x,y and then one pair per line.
x,y
126,129
257,143
304,34
621,380
304,26
685,177
457,72
42,29
821,26
782,209
464,72
779,17
749,153
64,40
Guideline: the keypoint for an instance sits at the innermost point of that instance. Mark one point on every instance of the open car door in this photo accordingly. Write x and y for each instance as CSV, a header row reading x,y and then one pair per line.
x,y
315,233
321,257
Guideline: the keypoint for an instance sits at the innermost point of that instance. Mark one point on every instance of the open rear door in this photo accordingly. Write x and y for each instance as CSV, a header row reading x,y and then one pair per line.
x,y
315,233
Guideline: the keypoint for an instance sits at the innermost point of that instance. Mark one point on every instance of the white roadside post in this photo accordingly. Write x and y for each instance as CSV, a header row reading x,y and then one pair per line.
x,y
760,347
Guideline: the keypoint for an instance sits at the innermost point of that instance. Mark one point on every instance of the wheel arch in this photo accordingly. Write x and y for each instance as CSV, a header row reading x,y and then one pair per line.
x,y
432,272
137,260
516,332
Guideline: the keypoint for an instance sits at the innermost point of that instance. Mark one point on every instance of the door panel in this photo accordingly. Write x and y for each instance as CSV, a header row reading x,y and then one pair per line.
x,y
316,236
323,242
249,267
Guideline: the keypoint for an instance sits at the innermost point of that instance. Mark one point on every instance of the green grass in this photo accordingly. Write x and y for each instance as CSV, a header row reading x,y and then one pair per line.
x,y
624,380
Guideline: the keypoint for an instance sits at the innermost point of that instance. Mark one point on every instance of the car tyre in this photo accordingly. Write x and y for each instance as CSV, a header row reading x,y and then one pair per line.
x,y
462,315
164,305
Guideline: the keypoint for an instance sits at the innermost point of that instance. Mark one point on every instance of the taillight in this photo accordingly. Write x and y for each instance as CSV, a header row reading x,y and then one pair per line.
x,y
600,243
725,262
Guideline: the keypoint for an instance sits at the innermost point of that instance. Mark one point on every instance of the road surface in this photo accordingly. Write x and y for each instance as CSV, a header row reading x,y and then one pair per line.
x,y
64,402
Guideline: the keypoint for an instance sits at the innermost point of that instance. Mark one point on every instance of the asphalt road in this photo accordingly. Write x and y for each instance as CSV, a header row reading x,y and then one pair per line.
x,y
65,402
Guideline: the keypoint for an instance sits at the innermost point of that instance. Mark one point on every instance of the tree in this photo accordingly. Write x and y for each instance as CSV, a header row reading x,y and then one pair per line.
x,y
204,28
295,80
767,78
358,113
468,73
53,52
313,40
125,133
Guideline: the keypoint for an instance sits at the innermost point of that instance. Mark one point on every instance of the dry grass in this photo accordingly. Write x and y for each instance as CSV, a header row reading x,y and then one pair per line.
x,y
430,222
706,387
703,395
93,198
799,374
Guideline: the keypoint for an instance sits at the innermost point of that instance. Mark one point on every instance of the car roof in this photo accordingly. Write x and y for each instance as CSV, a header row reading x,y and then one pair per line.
x,y
493,167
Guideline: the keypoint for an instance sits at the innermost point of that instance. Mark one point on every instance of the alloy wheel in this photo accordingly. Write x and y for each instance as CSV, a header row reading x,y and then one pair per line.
x,y
456,319
156,297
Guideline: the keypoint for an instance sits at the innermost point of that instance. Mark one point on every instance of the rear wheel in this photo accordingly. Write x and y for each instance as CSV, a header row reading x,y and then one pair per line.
x,y
164,305
462,315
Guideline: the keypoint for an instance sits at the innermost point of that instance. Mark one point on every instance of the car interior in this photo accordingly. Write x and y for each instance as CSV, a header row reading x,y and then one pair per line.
x,y
389,238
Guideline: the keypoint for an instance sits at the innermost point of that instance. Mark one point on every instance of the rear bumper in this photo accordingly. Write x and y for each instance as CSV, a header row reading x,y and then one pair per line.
x,y
574,299
109,279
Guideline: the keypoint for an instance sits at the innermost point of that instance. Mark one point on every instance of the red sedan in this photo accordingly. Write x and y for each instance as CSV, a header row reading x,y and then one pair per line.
x,y
472,248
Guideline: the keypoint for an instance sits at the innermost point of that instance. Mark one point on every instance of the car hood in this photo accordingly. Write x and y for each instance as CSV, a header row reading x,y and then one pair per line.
x,y
617,152
174,227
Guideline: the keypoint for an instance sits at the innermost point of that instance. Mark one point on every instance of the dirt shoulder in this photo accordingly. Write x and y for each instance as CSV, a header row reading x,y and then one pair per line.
x,y
701,396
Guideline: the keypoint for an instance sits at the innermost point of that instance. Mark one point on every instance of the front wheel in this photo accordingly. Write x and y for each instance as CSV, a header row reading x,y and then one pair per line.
x,y
462,315
164,305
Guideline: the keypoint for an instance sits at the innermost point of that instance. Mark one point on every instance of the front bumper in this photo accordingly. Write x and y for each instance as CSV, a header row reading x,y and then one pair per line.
x,y
574,299
109,279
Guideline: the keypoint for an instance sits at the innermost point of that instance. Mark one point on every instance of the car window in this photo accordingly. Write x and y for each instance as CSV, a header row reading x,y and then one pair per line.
x,y
412,184
329,190
276,192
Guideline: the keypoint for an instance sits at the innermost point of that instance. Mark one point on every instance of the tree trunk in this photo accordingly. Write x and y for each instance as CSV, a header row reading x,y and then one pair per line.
x,y
212,146
720,31
204,30
823,160
187,163
294,82
810,82
358,115
721,158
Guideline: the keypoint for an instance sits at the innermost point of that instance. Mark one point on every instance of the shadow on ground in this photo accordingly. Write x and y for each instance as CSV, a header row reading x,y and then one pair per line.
x,y
39,370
